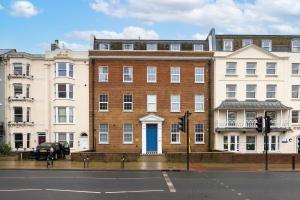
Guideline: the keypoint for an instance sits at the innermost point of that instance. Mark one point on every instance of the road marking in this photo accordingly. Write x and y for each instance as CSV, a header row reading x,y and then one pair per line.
x,y
240,194
78,191
20,190
169,182
133,191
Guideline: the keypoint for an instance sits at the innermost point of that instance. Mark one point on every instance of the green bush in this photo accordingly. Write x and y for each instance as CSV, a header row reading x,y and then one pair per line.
x,y
5,149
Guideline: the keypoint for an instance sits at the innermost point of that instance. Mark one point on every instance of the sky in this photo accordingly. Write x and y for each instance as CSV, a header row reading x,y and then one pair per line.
x,y
31,25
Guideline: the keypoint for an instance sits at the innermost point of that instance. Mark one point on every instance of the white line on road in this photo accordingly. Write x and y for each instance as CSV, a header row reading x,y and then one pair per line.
x,y
78,191
20,190
169,182
133,191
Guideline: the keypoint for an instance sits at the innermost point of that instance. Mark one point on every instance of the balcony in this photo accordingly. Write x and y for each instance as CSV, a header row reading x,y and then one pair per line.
x,y
240,116
249,125
20,123
20,76
20,98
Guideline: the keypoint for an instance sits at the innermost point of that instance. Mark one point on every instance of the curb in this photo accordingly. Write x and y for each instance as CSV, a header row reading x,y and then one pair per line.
x,y
88,169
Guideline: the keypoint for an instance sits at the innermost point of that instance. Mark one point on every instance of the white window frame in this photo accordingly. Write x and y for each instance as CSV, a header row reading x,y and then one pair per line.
x,y
231,66
246,42
231,91
295,48
68,70
199,99
18,65
173,74
70,114
268,91
175,132
130,74
266,44
198,47
271,66
68,138
277,145
175,99
230,46
21,94
253,66
151,74
151,102
255,96
175,47
298,91
104,133
68,91
251,143
229,143
199,72
103,46
126,45
125,132
199,133
298,68
103,76
103,102
127,102
151,47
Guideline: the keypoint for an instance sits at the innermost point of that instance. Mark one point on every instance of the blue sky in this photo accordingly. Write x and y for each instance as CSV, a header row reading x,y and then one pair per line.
x,y
30,25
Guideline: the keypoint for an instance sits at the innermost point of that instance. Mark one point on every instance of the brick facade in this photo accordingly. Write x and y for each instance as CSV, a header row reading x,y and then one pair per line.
x,y
139,88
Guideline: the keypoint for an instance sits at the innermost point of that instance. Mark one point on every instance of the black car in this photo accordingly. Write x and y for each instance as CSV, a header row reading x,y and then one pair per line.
x,y
55,150
65,148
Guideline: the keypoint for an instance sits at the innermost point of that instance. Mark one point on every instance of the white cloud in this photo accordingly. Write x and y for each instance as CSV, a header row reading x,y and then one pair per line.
x,y
1,7
131,32
23,9
260,16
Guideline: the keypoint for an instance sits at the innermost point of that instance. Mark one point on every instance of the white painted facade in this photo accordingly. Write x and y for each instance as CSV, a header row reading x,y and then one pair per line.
x,y
234,123
37,122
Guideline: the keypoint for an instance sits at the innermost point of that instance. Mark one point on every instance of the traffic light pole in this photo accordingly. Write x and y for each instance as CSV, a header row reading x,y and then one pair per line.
x,y
266,144
187,142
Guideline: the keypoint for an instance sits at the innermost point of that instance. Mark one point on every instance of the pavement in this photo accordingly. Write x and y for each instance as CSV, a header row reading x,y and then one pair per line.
x,y
167,166
128,184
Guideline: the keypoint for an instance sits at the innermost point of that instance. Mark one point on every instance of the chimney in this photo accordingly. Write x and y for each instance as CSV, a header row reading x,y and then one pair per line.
x,y
54,45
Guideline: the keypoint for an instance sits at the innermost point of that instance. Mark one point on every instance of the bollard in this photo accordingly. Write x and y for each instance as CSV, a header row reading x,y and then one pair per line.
x,y
293,163
122,162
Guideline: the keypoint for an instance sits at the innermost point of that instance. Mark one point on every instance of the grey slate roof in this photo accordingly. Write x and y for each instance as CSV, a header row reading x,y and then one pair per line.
x,y
252,105
4,51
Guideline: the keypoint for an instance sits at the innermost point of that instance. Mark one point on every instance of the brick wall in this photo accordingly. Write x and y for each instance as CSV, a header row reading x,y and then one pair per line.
x,y
115,88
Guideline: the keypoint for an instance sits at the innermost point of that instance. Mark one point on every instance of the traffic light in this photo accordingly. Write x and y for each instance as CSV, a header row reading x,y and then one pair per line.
x,y
268,124
182,123
259,124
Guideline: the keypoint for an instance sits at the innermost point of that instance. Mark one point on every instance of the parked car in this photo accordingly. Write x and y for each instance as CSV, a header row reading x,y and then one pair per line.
x,y
44,149
65,148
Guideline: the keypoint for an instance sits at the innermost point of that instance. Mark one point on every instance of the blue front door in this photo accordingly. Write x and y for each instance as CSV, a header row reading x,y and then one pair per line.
x,y
151,138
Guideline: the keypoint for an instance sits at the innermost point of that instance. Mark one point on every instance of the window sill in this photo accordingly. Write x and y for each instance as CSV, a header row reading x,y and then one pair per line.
x,y
199,142
127,111
103,143
64,99
231,75
64,124
130,143
196,111
102,81
127,81
174,143
103,111
295,75
271,75
65,77
251,75
295,99
199,82
151,81
178,111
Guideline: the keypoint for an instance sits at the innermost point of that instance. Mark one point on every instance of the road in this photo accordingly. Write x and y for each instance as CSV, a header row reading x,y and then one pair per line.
x,y
75,185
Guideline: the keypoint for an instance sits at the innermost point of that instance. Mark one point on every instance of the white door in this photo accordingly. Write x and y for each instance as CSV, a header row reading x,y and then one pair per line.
x,y
84,141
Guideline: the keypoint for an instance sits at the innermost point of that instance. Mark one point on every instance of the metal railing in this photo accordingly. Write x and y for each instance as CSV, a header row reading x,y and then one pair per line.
x,y
249,123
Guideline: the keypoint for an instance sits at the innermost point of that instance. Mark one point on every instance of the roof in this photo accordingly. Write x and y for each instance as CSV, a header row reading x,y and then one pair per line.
x,y
5,51
252,105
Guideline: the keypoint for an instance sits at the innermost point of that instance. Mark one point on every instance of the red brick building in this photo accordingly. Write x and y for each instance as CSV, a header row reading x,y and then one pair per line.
x,y
139,88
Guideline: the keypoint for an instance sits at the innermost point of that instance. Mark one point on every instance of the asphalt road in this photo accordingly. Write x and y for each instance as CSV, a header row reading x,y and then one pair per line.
x,y
75,185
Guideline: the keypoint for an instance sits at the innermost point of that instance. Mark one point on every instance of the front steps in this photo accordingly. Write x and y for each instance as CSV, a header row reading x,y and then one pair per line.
x,y
152,157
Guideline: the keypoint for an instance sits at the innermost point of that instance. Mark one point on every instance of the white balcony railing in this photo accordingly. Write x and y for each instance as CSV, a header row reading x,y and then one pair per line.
x,y
249,124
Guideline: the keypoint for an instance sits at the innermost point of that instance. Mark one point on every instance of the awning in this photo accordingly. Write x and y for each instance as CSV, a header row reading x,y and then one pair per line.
x,y
252,105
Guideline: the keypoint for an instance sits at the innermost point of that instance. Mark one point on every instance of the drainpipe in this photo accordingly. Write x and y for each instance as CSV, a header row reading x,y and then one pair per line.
x,y
93,104
210,120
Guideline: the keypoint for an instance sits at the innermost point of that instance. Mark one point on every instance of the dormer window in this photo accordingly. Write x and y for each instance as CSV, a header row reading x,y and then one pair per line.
x,y
247,42
296,45
128,47
175,47
151,47
104,46
198,47
267,45
227,45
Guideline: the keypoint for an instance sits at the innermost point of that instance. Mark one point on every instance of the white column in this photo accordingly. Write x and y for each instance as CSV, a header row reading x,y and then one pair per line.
x,y
143,138
159,138
280,118
226,118
218,122
244,118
